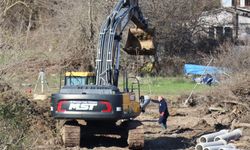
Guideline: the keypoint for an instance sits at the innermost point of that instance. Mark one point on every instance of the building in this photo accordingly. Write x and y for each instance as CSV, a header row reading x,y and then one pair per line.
x,y
242,6
221,24
239,3
228,22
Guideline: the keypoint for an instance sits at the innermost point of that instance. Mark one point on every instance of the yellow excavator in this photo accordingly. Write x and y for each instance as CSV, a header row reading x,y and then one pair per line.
x,y
95,97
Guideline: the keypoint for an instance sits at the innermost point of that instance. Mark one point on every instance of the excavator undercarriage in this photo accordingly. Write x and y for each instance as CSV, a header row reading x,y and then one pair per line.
x,y
74,133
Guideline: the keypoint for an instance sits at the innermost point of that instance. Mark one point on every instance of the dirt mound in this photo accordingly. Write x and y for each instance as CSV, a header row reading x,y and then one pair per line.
x,y
23,123
242,89
202,124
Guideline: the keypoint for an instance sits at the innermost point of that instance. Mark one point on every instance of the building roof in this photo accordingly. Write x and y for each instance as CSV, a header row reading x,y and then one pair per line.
x,y
218,17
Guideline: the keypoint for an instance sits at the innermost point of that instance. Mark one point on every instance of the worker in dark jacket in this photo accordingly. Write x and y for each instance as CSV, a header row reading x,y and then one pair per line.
x,y
163,110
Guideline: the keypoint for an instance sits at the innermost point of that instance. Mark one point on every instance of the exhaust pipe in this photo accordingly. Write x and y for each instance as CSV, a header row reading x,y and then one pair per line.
x,y
234,135
210,137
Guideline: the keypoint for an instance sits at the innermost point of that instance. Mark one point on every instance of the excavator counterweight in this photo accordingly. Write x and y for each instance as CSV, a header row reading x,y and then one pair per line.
x,y
140,42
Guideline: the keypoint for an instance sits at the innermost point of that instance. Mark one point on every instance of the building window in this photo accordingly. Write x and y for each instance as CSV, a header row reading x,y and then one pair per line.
x,y
247,2
233,2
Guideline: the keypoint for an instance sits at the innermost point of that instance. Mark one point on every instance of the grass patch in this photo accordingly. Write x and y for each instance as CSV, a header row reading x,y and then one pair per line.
x,y
169,86
166,86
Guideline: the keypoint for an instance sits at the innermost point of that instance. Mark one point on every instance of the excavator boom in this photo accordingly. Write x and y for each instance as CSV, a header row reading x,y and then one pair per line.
x,y
139,42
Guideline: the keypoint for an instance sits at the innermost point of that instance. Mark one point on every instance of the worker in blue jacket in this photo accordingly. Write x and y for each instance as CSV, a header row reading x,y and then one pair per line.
x,y
163,110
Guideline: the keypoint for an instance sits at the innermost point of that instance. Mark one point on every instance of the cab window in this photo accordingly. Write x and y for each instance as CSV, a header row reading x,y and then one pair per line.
x,y
91,80
75,81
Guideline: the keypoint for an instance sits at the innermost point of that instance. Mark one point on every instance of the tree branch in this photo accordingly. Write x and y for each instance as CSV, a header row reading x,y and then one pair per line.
x,y
18,2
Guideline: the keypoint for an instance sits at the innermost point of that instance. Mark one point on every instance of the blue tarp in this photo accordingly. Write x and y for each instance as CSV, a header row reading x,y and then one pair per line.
x,y
201,70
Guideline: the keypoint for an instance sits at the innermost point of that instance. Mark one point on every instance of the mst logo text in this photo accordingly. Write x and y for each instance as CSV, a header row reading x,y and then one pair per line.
x,y
84,105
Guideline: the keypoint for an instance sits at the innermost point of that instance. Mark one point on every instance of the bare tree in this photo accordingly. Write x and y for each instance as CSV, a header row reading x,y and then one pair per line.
x,y
67,31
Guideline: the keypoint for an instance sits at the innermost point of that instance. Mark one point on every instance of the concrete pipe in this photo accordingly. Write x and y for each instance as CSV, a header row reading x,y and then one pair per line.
x,y
202,146
233,147
234,135
220,147
210,137
213,148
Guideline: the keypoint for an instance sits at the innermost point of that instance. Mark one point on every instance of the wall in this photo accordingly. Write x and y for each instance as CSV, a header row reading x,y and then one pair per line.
x,y
242,3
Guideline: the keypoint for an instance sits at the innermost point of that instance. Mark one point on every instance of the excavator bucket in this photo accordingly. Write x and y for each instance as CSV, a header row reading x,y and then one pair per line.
x,y
140,42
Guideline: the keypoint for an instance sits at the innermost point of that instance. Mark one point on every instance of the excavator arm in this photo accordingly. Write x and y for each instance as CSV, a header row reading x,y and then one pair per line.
x,y
108,52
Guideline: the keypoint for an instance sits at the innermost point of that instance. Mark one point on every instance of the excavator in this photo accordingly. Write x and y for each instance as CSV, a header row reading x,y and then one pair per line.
x,y
100,107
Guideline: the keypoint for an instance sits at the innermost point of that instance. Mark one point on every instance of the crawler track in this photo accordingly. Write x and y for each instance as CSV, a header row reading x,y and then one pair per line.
x,y
135,135
71,134
131,130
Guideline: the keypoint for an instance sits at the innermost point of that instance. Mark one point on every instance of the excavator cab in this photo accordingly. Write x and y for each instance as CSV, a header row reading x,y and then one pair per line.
x,y
140,42
79,78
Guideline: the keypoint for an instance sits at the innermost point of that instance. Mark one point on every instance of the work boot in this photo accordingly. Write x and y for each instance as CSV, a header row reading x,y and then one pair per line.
x,y
163,126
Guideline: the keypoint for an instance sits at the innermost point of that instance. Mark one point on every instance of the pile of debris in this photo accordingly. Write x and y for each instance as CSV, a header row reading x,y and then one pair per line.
x,y
218,140
23,122
231,98
225,106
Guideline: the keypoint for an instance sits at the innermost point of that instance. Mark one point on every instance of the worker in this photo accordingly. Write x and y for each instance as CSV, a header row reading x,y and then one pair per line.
x,y
144,101
208,79
163,110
